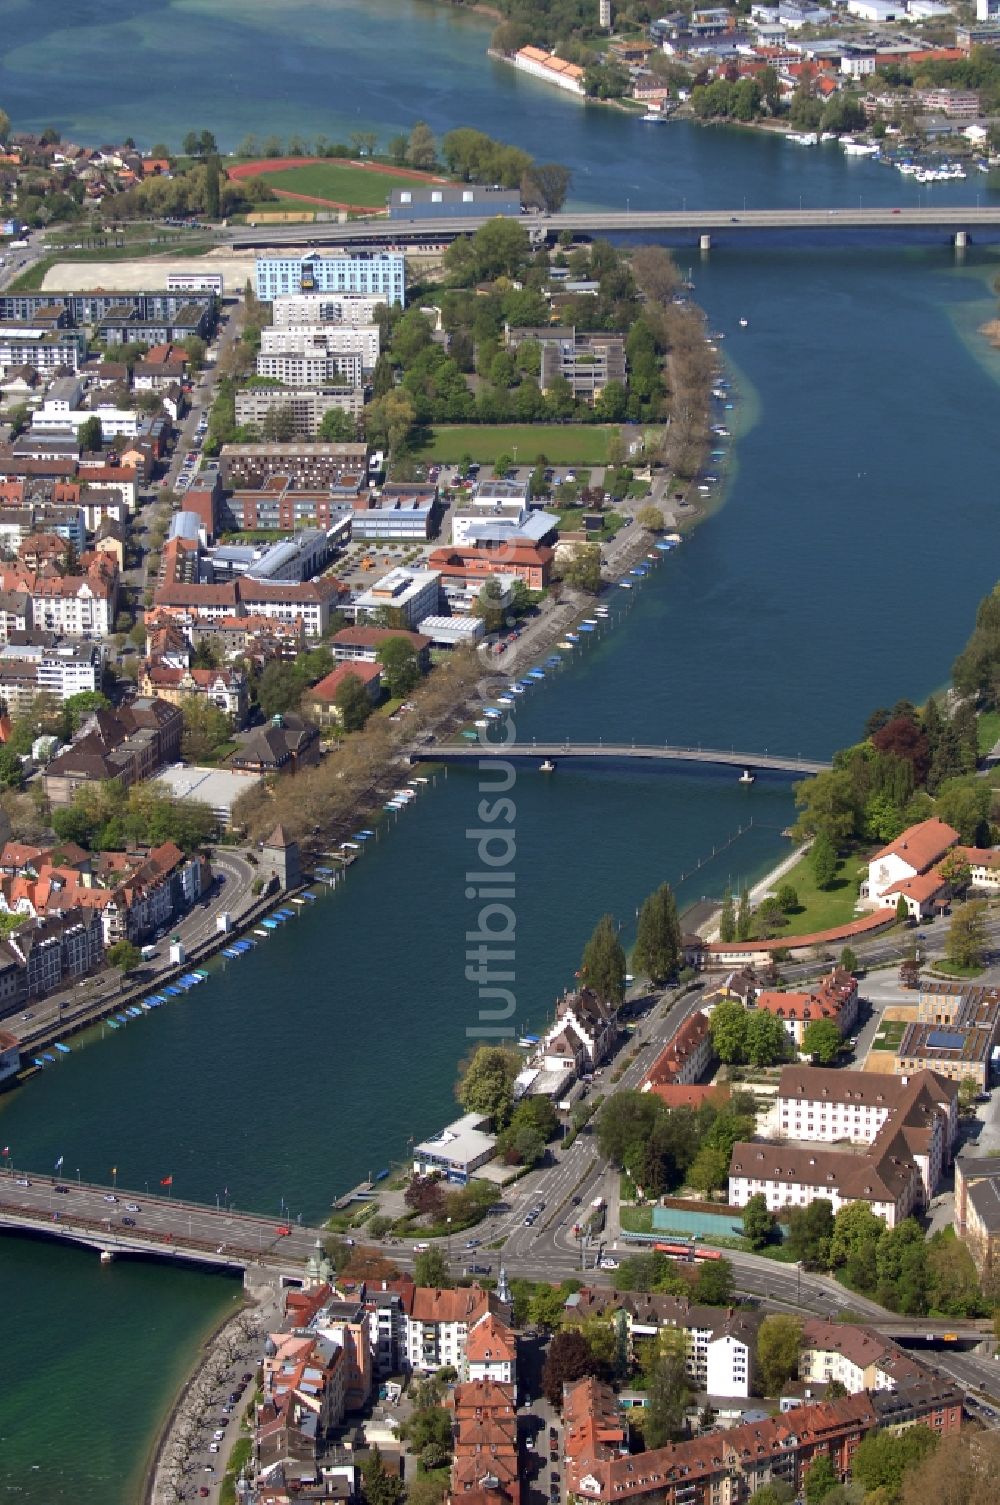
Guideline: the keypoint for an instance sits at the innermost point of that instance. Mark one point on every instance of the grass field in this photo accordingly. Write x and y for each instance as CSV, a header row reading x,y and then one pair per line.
x,y
821,908
341,185
987,730
890,1032
560,443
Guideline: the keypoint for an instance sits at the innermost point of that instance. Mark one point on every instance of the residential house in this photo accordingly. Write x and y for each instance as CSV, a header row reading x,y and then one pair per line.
x,y
321,700
684,1060
361,644
835,997
283,745
130,744
225,688
907,869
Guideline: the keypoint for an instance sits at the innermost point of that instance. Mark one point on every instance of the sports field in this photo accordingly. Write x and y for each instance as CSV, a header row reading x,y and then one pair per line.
x,y
560,443
331,181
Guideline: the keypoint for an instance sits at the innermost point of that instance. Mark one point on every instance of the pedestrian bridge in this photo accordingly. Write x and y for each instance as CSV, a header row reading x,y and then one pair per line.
x,y
749,763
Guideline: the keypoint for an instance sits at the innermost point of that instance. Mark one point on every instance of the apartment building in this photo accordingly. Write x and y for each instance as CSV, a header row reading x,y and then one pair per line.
x,y
319,339
41,348
858,1357
48,953
73,605
129,744
977,1209
720,1344
304,466
683,1061
308,406
587,361
835,997
38,664
326,308
374,272
719,1467
90,307
314,368
361,644
224,688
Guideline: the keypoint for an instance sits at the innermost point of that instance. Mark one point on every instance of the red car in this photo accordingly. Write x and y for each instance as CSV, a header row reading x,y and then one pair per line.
x,y
282,1230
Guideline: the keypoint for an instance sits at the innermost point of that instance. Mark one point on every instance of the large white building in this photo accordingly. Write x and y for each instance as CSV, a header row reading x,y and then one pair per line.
x,y
326,308
858,1357
73,606
323,339
907,869
316,369
367,272
116,423
308,405
408,595
907,1124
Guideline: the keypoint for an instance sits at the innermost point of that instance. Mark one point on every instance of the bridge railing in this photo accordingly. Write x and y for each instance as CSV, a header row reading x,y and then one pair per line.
x,y
111,1234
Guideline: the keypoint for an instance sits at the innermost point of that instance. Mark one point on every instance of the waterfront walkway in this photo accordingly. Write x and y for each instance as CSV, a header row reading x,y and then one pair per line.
x,y
554,752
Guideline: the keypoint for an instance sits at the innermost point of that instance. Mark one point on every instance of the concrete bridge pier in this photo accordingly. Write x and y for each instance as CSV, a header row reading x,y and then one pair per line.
x,y
961,240
704,243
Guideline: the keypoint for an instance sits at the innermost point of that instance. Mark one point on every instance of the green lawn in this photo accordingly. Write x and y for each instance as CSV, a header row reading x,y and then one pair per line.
x,y
957,969
343,185
890,1033
821,908
987,730
560,443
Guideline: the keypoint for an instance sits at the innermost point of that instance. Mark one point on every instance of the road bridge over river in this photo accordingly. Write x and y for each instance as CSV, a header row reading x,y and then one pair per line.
x,y
554,752
960,223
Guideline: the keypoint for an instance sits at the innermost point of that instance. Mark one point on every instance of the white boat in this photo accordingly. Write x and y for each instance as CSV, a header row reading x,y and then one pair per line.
x,y
654,117
547,767
744,323
858,148
828,136
481,723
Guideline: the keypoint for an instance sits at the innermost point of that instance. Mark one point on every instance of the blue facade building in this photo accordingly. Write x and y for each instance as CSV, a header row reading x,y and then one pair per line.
x,y
375,271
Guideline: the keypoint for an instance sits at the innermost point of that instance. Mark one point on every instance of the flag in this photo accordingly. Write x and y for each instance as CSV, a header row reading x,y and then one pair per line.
x,y
6,1150
59,1163
167,1181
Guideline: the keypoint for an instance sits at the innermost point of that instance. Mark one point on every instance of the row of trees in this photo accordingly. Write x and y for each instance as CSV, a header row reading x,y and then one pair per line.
x,y
107,817
896,1266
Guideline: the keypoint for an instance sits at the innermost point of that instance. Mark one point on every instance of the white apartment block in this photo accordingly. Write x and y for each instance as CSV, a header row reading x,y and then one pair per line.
x,y
323,339
411,594
43,349
374,272
326,308
437,1326
116,423
309,406
317,369
72,607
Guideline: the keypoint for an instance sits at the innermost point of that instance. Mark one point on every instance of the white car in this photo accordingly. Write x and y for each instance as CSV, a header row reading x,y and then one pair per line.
x,y
609,1264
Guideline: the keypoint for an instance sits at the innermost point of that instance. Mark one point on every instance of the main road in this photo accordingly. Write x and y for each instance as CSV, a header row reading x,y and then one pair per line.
x,y
980,221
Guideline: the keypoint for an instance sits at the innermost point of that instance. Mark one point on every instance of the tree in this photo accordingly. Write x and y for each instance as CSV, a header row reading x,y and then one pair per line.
x,y
421,148
569,1358
206,727
728,1025
820,1478
901,1269
583,568
967,935
124,956
962,1470
715,1284
546,184
854,1242
823,860
486,1083
657,950
91,434
709,1170
766,1038
787,898
965,804
213,190
883,1458
397,149
667,1396
400,666
727,919
353,703
822,1040
425,1195
779,1340
11,769
337,427
758,1222
744,919
848,960
431,1269
380,1486
4,127
280,688
602,966
810,1231
190,144
650,518
775,1493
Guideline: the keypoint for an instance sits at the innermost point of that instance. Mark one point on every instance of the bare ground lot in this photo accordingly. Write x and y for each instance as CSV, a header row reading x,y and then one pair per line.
x,y
147,272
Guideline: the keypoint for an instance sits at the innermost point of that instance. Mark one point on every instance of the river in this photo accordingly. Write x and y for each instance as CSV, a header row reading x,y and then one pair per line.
x,y
859,529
